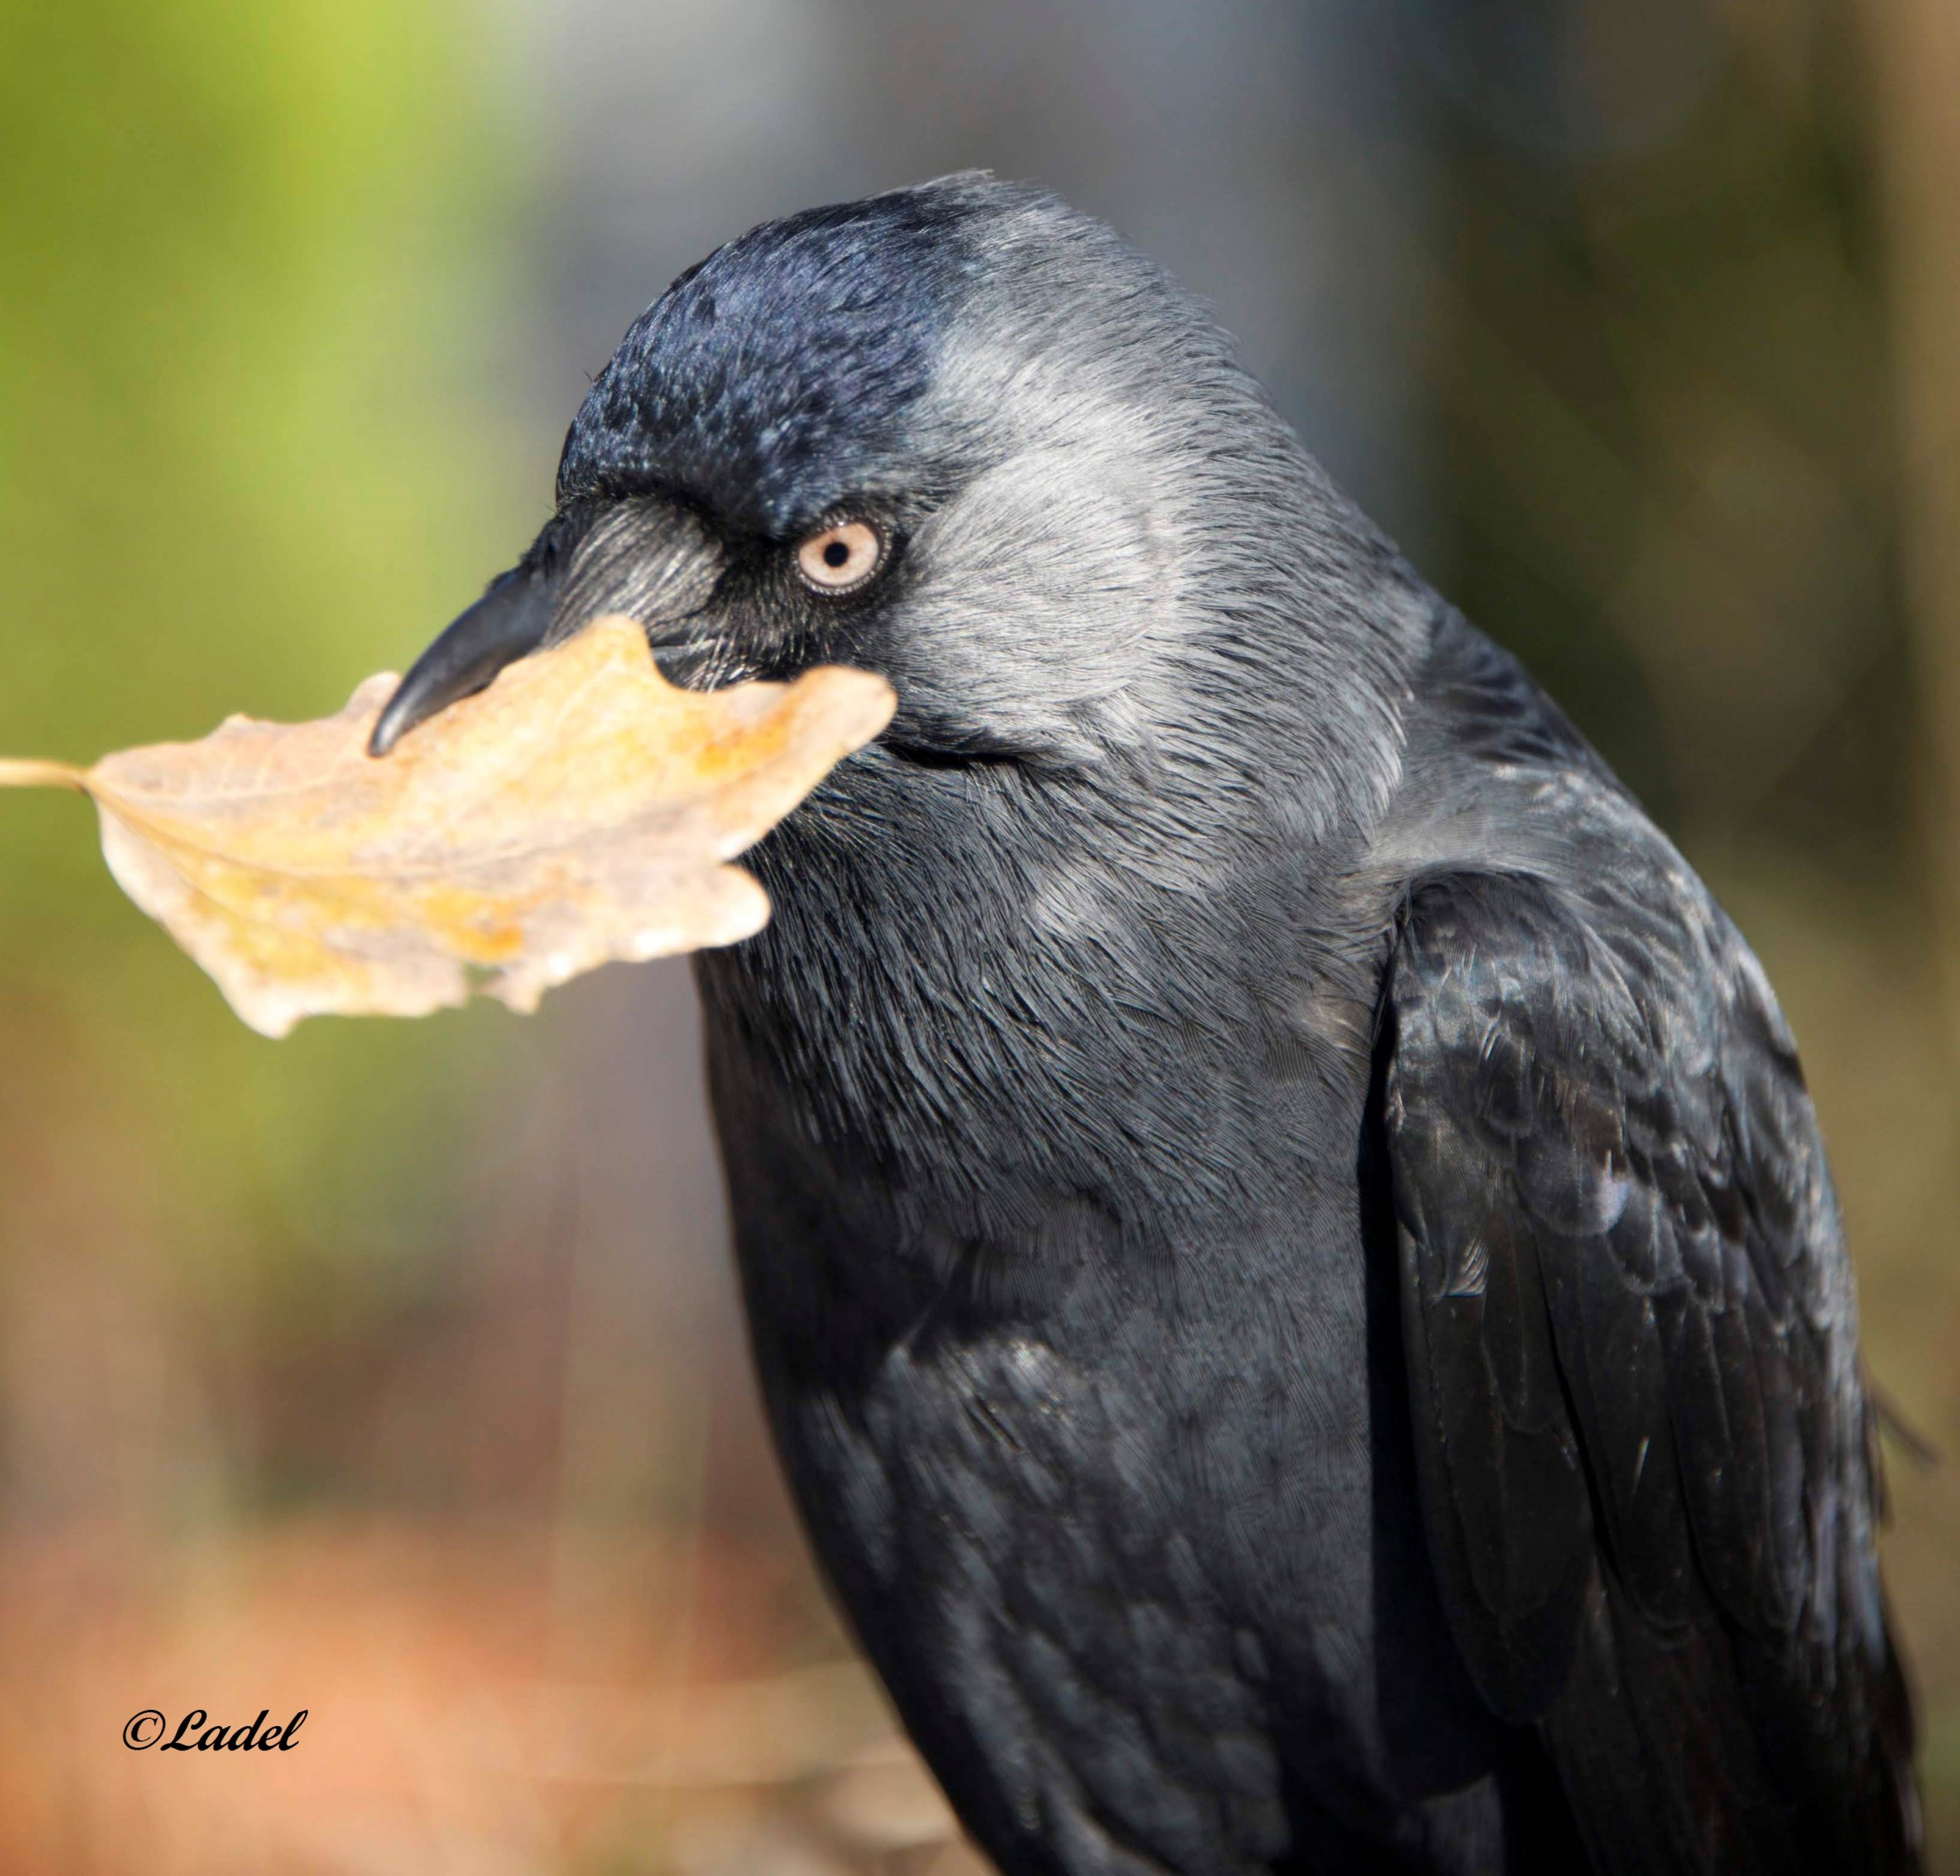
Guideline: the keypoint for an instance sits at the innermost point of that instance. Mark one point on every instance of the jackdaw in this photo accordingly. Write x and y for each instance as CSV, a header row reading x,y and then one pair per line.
x,y
1290,1261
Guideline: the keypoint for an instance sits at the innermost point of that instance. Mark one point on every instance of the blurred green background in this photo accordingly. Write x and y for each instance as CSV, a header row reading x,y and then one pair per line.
x,y
392,1370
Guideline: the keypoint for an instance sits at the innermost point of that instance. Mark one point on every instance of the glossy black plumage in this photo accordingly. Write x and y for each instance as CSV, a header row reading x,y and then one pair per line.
x,y
1289,1259
1632,1508
1643,1446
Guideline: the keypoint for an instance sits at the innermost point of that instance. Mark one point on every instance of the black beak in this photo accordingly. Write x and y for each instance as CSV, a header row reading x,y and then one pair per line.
x,y
509,621
646,556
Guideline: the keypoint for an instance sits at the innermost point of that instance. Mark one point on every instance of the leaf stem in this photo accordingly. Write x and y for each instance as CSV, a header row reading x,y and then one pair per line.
x,y
31,774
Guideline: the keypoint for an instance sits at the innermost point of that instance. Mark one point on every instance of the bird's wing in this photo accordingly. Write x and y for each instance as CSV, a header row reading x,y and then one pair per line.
x,y
1643,1442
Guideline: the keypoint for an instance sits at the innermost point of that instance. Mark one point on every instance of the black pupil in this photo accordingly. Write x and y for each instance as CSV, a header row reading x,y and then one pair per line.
x,y
836,553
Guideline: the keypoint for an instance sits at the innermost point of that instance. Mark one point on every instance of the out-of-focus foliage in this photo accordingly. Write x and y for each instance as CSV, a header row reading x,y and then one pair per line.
x,y
1665,469
240,416
239,258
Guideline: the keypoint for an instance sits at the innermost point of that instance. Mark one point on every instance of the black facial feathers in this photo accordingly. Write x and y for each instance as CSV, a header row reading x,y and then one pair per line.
x,y
775,377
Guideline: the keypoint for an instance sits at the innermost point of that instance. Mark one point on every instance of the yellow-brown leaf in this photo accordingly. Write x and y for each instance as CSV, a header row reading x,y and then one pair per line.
x,y
581,809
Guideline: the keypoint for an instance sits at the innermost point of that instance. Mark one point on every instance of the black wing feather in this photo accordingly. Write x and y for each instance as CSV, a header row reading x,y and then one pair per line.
x,y
1642,1439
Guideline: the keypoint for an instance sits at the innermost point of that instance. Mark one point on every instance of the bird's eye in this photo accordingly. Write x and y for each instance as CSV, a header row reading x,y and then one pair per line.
x,y
840,558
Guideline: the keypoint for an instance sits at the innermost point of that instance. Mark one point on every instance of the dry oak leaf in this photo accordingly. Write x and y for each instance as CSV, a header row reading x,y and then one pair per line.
x,y
580,809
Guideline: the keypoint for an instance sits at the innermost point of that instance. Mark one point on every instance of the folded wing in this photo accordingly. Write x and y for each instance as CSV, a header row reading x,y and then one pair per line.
x,y
1643,1438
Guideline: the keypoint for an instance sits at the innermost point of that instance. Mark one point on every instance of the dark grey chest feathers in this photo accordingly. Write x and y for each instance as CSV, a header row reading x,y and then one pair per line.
x,y
1106,1494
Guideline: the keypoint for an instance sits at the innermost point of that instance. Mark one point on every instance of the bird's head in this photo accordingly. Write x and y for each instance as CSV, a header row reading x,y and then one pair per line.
x,y
962,436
